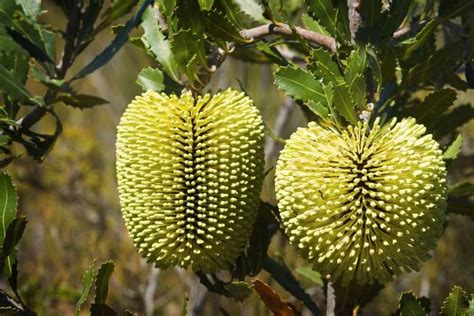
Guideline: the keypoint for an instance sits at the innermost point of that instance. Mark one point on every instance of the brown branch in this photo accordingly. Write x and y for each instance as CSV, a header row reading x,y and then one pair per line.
x,y
324,41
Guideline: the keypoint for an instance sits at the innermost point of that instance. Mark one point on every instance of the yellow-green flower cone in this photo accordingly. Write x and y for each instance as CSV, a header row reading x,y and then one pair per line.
x,y
189,177
362,204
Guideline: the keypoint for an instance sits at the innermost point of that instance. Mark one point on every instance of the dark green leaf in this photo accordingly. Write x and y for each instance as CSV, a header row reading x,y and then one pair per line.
x,y
151,78
12,237
453,149
11,86
449,9
310,274
388,64
343,103
35,50
462,189
370,11
81,101
453,119
433,106
87,281
299,84
118,9
102,310
410,306
8,203
456,304
249,263
410,45
156,42
461,206
397,13
239,290
31,8
206,5
110,51
102,282
285,278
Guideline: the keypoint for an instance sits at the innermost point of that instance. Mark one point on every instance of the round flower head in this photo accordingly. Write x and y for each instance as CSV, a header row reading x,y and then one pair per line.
x,y
363,203
189,176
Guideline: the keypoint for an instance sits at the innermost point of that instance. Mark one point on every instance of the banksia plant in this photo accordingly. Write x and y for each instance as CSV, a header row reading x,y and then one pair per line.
x,y
362,204
189,176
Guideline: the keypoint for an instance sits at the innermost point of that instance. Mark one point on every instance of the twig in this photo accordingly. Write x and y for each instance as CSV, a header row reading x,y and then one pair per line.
x,y
324,41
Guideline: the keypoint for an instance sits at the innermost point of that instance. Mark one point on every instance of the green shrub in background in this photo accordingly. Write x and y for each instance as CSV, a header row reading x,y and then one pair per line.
x,y
352,66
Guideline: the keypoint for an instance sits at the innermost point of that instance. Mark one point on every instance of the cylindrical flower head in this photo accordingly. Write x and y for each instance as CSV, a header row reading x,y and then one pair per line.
x,y
362,204
189,176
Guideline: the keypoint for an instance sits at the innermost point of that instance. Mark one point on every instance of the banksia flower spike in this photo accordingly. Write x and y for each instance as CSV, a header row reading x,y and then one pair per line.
x,y
362,204
189,176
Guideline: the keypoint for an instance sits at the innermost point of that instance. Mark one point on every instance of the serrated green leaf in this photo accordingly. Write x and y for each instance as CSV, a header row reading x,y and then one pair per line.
x,y
154,39
410,306
410,45
357,89
456,304
11,86
343,103
356,64
310,274
167,6
102,282
31,8
318,108
206,5
324,11
453,149
87,281
151,78
433,106
189,19
221,28
453,119
186,50
313,25
299,84
251,8
324,67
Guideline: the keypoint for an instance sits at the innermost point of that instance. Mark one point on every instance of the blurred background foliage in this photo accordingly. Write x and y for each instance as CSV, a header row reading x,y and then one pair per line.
x,y
74,216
